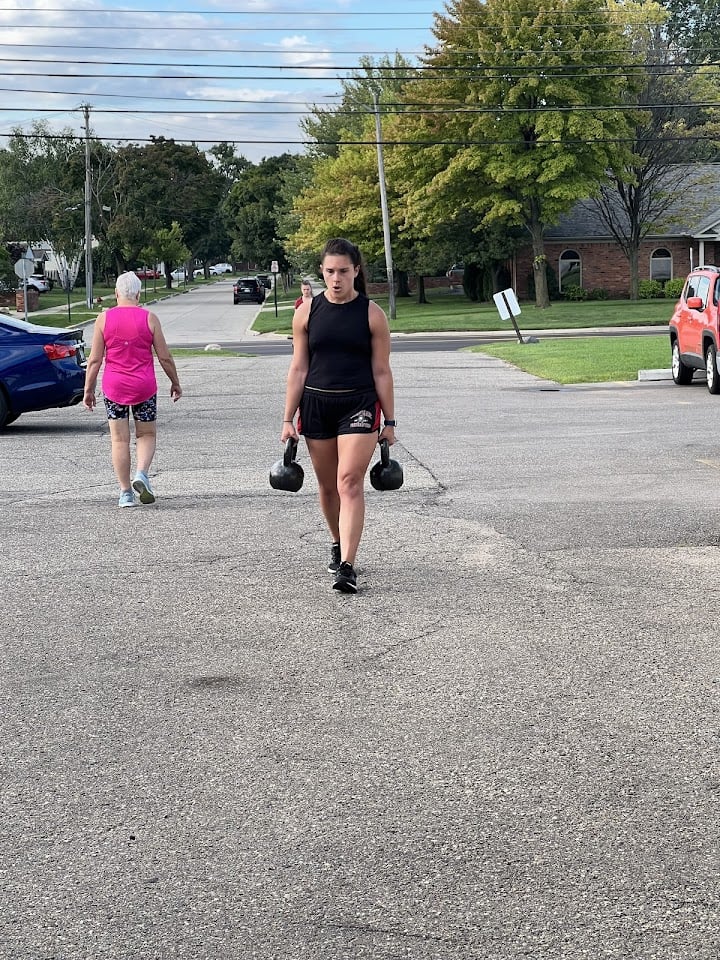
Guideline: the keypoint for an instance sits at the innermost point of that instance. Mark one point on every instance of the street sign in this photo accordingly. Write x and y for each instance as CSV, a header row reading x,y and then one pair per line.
x,y
274,268
509,308
24,268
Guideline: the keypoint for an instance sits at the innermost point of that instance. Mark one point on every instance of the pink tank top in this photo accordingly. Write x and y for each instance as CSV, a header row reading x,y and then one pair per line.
x,y
129,374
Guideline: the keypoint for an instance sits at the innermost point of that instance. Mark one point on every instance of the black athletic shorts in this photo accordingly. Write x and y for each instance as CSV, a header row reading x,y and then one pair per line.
x,y
324,415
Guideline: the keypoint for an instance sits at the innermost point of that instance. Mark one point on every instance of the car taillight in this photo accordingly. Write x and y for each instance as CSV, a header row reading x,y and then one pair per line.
x,y
59,351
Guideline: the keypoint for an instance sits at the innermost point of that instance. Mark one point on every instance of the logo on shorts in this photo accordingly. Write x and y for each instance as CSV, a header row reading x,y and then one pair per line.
x,y
362,420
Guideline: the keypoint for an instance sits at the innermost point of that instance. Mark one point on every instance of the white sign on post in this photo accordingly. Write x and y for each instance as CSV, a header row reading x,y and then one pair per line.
x,y
507,304
509,308
501,306
274,267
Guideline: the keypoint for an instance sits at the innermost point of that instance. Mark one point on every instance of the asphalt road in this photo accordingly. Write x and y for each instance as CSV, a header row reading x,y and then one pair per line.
x,y
207,315
505,746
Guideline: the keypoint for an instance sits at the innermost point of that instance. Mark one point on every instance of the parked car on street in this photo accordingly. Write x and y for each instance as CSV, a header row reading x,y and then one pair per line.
x,y
145,274
37,282
218,269
248,289
179,274
40,367
694,329
265,280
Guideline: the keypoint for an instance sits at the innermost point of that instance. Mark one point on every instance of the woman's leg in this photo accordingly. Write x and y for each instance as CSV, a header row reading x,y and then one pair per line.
x,y
120,446
145,443
324,456
354,454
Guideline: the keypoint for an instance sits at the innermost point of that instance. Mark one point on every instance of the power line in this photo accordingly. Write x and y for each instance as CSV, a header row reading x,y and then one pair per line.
x,y
165,28
383,69
537,145
577,72
399,109
710,51
232,13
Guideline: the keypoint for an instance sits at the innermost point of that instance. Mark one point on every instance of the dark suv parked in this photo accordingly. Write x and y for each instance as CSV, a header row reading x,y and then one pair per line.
x,y
694,333
248,289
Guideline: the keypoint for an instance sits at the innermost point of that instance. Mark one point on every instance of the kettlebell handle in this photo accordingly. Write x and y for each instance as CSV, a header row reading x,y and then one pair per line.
x,y
384,452
290,451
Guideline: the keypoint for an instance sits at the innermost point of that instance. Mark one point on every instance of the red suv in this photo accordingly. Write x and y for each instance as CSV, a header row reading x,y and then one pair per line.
x,y
694,328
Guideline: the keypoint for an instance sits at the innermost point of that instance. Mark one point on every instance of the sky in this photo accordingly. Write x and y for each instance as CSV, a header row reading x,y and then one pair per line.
x,y
193,71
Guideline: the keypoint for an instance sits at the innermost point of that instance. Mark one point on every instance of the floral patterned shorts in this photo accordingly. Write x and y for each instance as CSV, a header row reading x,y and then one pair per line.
x,y
145,411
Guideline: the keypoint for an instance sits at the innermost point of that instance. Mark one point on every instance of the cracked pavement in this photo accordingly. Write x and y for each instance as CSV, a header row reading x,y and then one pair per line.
x,y
505,746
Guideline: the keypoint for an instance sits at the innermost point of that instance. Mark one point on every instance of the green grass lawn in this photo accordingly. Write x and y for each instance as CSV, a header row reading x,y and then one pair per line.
x,y
585,359
454,312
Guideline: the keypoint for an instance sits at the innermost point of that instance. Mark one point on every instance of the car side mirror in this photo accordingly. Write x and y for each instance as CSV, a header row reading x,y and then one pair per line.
x,y
694,303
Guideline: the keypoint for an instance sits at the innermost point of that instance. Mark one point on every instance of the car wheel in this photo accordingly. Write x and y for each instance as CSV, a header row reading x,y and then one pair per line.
x,y
711,370
681,373
5,414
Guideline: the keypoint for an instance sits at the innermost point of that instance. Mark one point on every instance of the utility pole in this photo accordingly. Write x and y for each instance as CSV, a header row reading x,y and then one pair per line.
x,y
88,221
384,207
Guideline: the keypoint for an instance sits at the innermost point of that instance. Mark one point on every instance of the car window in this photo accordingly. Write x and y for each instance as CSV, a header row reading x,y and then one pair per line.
x,y
702,288
716,292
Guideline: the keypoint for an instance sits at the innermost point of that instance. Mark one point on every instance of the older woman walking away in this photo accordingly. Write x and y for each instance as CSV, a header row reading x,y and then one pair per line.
x,y
340,381
125,337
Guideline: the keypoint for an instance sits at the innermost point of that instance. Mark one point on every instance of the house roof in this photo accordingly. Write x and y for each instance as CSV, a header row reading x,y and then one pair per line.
x,y
694,211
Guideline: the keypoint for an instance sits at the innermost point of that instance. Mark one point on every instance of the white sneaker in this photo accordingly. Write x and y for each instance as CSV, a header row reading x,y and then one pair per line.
x,y
141,486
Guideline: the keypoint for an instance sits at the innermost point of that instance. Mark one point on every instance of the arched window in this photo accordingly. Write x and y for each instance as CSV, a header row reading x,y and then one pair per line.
x,y
661,265
569,269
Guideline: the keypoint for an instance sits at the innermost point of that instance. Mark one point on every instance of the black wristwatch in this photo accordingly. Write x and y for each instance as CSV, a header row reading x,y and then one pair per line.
x,y
390,423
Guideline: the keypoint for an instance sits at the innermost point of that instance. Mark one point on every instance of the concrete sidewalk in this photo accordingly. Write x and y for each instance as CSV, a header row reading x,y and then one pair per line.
x,y
505,746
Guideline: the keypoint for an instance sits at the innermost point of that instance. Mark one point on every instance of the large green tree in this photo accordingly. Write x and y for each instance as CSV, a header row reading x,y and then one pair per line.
x,y
159,184
42,187
525,131
328,127
253,208
694,26
666,123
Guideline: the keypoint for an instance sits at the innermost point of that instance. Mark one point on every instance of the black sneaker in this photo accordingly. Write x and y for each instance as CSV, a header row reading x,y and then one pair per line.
x,y
335,557
345,579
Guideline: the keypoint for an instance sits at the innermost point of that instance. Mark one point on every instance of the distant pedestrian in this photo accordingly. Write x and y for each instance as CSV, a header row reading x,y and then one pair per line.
x,y
125,337
340,381
306,293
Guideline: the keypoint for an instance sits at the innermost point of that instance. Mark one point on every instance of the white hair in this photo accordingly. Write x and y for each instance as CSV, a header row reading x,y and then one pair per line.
x,y
128,285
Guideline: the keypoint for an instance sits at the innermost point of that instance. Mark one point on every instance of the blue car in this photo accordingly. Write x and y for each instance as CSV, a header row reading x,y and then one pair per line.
x,y
40,368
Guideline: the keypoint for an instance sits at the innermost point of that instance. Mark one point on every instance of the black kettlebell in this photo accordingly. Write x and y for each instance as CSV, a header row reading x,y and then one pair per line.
x,y
387,474
287,474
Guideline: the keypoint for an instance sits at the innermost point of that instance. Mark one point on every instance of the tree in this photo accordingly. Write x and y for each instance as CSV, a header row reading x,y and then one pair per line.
x,y
694,27
329,127
525,88
253,207
636,199
41,186
167,244
162,183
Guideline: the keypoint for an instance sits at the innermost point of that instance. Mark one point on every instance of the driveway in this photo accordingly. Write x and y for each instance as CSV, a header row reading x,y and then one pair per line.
x,y
505,746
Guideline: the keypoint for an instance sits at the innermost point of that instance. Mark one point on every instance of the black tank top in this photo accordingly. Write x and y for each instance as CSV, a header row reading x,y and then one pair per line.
x,y
340,345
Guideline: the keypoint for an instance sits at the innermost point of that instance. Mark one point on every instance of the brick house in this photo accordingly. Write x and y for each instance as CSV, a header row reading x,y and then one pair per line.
x,y
580,248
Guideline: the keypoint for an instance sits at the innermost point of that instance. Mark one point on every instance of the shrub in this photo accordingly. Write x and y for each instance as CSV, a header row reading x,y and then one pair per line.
x,y
673,288
573,291
650,290
598,293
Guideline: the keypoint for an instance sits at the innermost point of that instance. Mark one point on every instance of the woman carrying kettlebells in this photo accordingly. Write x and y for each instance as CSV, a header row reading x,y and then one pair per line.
x,y
339,383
